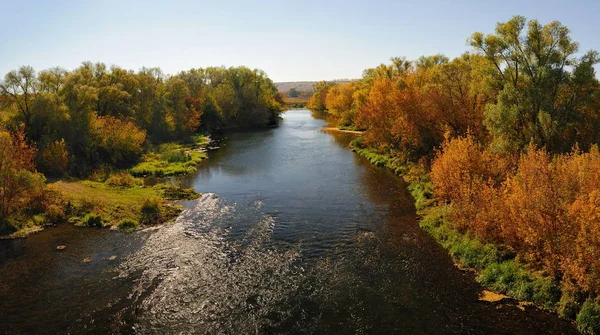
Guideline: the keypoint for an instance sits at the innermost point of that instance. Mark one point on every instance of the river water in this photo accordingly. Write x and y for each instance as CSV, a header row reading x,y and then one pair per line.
x,y
294,234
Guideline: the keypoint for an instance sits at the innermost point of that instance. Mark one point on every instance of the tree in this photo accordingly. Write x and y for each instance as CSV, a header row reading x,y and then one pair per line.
x,y
119,142
18,179
293,93
54,159
539,97
339,102
317,101
21,87
182,109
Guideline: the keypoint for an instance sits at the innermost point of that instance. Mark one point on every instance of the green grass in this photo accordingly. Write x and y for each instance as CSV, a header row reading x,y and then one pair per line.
x,y
172,159
588,319
173,192
115,204
128,225
92,220
123,179
351,128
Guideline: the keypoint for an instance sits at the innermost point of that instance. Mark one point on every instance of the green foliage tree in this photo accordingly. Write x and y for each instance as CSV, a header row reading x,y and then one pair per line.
x,y
87,110
19,88
540,97
320,89
293,93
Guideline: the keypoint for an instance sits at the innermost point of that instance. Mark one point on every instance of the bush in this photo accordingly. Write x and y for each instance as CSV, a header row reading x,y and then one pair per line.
x,y
92,220
127,225
120,141
508,277
55,213
173,192
122,179
55,158
172,153
588,319
545,292
150,211
569,303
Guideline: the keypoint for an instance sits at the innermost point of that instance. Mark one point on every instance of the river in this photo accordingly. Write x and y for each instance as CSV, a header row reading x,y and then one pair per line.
x,y
294,234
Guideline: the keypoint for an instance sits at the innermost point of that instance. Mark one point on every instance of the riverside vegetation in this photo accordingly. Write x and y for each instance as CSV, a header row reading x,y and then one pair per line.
x,y
73,144
500,148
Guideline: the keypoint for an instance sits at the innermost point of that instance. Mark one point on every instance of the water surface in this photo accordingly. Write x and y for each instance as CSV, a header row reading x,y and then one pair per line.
x,y
294,234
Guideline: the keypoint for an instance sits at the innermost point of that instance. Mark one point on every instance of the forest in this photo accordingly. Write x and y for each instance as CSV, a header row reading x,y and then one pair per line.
x,y
99,120
500,147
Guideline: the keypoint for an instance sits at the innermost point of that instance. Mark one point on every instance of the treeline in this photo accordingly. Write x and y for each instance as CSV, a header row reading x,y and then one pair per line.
x,y
508,134
57,123
96,115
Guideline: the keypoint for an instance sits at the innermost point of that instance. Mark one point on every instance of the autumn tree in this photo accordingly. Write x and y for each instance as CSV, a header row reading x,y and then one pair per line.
x,y
119,141
320,89
339,101
54,158
19,181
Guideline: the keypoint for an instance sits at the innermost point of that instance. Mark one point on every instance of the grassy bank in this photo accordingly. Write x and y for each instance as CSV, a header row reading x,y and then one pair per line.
x,y
90,203
119,200
497,268
172,159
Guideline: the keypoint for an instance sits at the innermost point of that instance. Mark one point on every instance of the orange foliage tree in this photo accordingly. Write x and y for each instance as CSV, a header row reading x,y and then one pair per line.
x,y
547,208
339,102
120,141
19,181
55,158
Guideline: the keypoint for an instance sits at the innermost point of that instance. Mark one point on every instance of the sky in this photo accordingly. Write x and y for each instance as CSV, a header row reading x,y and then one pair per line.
x,y
300,40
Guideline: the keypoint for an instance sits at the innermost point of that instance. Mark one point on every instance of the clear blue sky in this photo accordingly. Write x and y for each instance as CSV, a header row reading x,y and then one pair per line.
x,y
290,40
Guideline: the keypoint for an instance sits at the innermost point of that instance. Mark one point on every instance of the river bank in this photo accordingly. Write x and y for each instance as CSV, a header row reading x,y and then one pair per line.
x,y
349,131
495,267
123,199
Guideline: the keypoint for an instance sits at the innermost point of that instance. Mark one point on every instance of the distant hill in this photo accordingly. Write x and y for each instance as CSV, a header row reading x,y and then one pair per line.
x,y
305,86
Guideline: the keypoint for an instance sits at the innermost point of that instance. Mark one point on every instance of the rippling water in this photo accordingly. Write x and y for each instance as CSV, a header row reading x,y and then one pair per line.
x,y
195,279
294,234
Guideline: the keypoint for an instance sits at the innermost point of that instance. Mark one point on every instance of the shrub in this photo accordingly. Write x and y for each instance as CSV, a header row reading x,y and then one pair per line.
x,y
545,292
127,225
150,211
119,140
588,319
92,220
55,213
569,302
173,154
173,192
122,179
55,158
508,277
21,185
